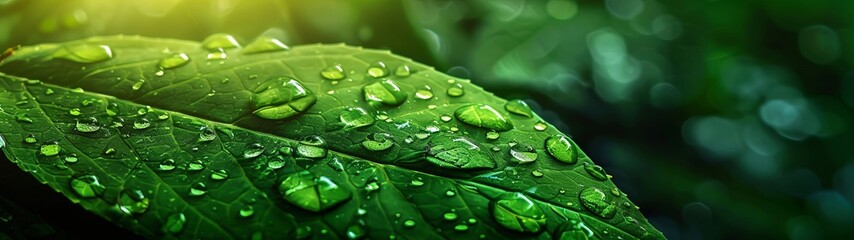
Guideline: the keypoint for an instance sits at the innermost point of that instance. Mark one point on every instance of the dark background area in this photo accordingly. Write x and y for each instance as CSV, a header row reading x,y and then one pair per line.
x,y
721,119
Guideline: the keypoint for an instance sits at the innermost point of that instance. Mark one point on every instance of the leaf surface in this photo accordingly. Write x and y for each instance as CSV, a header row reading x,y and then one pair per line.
x,y
169,138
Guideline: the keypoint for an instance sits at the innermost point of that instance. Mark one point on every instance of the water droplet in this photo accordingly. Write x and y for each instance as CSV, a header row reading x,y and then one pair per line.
x,y
455,90
74,112
492,135
409,223
219,174
220,41
312,147
132,202
206,134
174,61
137,85
595,200
48,91
218,54
51,149
573,229
447,151
450,193
313,193
282,99
377,70
22,117
174,223
416,182
540,126
518,107
87,125
159,73
72,158
402,71
461,227
450,216
523,153
615,192
264,44
562,149
372,186
253,150
424,93
537,173
378,142
87,186
386,92
481,115
30,139
276,163
141,123
361,211
333,73
445,118
517,212
247,211
195,165
84,53
198,189
166,165
356,117
355,232
596,171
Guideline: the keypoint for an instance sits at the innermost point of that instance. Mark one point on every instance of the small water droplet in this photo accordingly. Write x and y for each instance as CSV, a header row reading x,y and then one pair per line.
x,y
218,54
264,44
206,134
377,70
141,123
220,41
137,85
72,158
416,182
196,165
424,93
276,163
355,232
74,112
450,193
159,73
333,73
174,61
87,125
519,107
596,171
402,71
282,98
562,149
461,227
87,186
109,151
312,147
523,153
615,192
174,223
313,193
492,135
219,174
51,149
247,211
540,126
48,91
30,139
595,200
372,186
455,90
356,117
378,142
409,223
537,173
167,165
482,115
445,118
384,92
253,150
132,202
198,189
450,216
517,212
84,53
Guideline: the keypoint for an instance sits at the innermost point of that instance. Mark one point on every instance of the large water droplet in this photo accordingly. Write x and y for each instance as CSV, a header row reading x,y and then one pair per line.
x,y
517,212
220,41
378,142
264,44
312,147
253,150
87,186
377,70
385,92
313,193
333,73
523,153
51,149
455,90
174,223
596,171
206,134
84,53
141,123
174,61
132,202
282,98
449,151
356,117
518,107
562,149
481,115
87,125
595,200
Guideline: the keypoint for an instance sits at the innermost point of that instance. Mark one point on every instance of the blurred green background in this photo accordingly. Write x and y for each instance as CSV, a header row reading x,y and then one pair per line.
x,y
721,119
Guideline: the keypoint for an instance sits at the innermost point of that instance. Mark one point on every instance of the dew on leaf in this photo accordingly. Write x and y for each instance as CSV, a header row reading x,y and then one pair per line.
x,y
141,123
84,53
247,211
312,147
424,93
355,231
195,165
356,117
87,125
198,189
517,212
595,200
312,193
518,107
264,44
87,186
449,216
449,151
523,153
492,135
540,126
174,61
220,41
174,223
282,98
72,158
482,115
596,171
377,70
22,117
402,71
206,134
455,90
132,202
385,92
378,142
219,174
218,54
166,165
561,148
409,223
51,149
333,73
30,139
253,150
137,85
74,112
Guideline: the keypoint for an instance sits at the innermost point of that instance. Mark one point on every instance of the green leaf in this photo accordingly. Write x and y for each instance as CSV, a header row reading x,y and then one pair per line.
x,y
226,147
